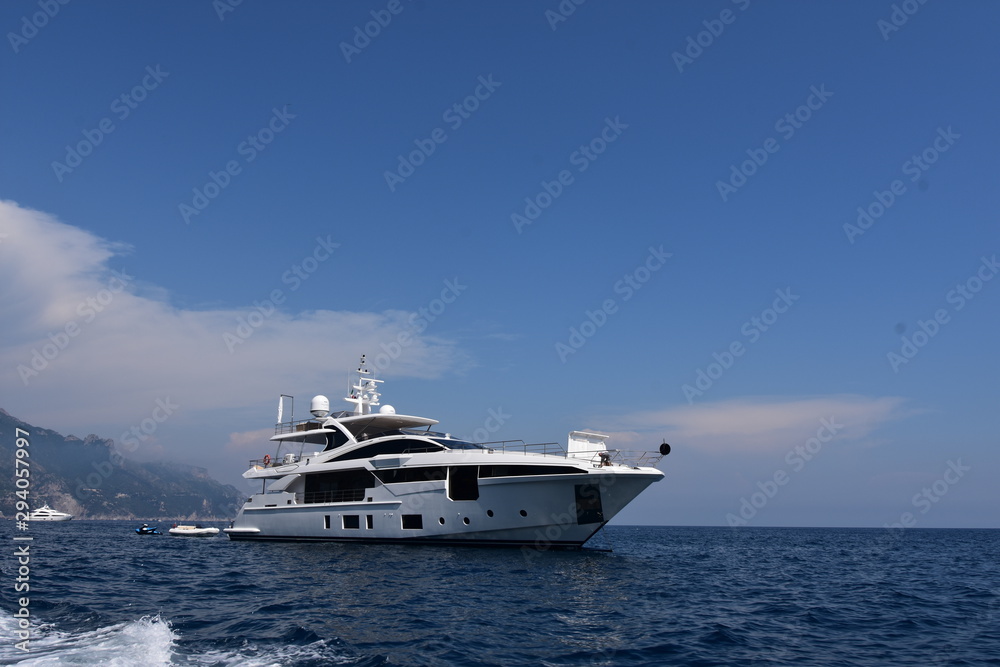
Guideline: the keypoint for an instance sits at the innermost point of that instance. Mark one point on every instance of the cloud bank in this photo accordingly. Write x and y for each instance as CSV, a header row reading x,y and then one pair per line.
x,y
757,425
80,343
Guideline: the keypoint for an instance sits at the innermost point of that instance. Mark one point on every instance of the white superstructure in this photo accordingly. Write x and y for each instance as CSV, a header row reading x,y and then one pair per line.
x,y
385,477
46,513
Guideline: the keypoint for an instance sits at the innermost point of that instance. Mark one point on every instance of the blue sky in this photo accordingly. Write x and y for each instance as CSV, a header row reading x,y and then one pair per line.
x,y
642,219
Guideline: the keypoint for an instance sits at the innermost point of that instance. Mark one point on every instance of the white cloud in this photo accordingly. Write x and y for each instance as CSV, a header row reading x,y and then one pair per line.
x,y
131,349
753,425
46,267
248,441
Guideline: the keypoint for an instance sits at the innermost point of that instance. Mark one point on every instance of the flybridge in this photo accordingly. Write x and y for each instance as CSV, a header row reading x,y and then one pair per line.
x,y
364,394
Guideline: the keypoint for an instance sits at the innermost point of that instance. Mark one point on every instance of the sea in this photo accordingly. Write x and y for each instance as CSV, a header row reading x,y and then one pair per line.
x,y
102,595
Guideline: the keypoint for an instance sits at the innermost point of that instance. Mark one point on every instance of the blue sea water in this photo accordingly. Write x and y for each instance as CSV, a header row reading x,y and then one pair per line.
x,y
664,596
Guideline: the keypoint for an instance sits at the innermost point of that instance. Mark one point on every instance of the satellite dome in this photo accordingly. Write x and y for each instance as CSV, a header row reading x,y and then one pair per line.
x,y
387,410
319,406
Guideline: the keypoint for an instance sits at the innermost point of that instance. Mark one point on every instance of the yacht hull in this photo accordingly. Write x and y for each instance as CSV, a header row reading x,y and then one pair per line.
x,y
539,512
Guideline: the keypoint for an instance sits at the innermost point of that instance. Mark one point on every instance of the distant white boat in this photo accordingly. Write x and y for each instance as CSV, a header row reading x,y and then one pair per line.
x,y
193,531
46,513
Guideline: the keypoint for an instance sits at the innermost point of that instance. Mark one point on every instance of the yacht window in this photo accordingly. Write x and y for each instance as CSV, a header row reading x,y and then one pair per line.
x,y
451,443
462,483
413,521
335,438
352,522
311,439
588,504
328,439
338,487
395,446
401,475
525,470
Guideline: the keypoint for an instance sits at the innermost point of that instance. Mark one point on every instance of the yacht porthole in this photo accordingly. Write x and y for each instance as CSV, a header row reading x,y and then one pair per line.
x,y
466,521
523,513
441,520
489,513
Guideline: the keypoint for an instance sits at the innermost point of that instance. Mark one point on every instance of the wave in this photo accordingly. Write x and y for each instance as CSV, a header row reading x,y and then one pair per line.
x,y
151,642
146,641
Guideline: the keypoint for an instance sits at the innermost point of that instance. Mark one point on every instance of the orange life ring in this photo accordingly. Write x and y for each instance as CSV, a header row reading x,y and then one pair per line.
x,y
267,459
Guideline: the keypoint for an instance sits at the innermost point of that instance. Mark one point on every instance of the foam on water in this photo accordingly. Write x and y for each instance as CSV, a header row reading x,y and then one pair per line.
x,y
146,641
318,653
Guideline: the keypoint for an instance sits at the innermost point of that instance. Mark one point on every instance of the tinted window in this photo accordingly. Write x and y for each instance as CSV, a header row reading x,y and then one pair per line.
x,y
338,487
335,438
389,447
588,504
462,483
400,475
457,444
524,470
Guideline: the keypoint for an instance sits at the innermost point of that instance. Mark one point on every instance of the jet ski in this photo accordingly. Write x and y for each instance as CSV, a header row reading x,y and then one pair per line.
x,y
146,529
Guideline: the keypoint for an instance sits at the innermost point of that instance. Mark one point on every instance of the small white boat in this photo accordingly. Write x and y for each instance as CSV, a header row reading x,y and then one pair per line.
x,y
194,531
46,513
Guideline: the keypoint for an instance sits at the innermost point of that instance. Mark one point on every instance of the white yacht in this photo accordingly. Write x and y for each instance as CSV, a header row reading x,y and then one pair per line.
x,y
46,513
384,477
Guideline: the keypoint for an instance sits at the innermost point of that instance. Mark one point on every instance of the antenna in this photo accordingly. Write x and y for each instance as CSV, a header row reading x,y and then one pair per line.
x,y
364,393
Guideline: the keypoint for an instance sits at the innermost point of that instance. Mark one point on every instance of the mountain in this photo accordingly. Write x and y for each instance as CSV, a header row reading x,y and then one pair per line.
x,y
90,479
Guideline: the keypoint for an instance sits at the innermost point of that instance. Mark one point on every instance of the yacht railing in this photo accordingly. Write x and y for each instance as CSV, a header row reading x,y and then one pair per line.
x,y
519,446
309,424
635,459
599,458
602,457
287,459
419,450
336,496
